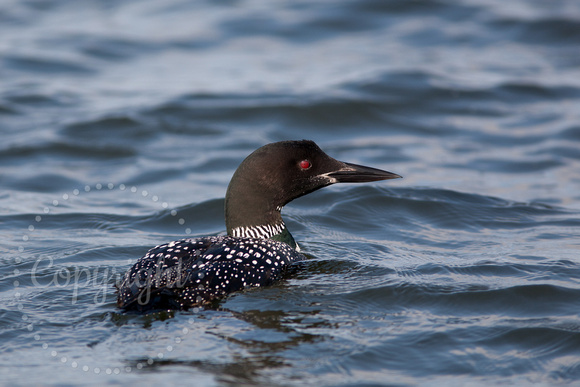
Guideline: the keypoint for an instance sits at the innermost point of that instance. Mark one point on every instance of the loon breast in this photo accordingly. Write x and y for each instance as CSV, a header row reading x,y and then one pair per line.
x,y
192,272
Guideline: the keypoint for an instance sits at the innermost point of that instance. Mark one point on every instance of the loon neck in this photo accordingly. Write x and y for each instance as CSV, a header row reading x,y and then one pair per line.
x,y
266,231
277,231
252,208
287,238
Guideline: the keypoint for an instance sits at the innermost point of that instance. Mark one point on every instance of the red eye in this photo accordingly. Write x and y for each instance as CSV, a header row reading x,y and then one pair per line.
x,y
305,164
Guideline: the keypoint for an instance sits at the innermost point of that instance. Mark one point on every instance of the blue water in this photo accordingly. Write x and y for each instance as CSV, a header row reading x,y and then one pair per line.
x,y
122,123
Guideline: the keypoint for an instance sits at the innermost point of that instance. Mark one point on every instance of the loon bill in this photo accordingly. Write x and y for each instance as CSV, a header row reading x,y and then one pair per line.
x,y
258,248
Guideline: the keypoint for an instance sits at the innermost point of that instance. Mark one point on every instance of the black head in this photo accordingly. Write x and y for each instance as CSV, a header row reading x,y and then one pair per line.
x,y
280,172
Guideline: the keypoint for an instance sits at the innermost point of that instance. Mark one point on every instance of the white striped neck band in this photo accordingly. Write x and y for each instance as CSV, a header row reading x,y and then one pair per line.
x,y
264,232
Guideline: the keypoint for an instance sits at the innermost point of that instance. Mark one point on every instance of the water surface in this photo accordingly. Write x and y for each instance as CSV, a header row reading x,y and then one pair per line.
x,y
122,123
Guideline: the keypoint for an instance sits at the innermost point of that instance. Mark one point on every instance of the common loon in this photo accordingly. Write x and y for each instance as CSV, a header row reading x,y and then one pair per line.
x,y
258,248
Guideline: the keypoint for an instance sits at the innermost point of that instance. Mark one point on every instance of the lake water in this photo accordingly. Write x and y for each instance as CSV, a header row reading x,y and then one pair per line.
x,y
122,123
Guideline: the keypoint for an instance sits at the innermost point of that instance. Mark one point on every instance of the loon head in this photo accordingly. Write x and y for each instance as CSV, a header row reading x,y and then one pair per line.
x,y
278,173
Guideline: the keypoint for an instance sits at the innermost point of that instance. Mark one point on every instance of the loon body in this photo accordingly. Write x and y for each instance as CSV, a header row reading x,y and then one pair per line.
x,y
258,249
